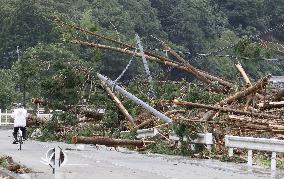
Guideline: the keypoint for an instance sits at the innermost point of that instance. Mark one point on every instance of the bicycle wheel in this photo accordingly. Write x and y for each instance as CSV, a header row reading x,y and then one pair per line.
x,y
20,140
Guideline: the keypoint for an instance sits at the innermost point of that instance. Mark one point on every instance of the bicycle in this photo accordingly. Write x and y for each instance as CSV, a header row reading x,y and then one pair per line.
x,y
20,138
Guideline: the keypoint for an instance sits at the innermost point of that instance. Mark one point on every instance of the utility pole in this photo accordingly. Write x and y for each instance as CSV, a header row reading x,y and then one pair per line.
x,y
147,70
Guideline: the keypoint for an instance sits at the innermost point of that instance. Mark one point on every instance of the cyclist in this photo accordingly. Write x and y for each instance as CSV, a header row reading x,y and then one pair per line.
x,y
20,115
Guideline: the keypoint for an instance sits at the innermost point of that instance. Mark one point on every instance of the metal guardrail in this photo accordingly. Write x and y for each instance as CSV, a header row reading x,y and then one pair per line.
x,y
260,144
144,133
202,138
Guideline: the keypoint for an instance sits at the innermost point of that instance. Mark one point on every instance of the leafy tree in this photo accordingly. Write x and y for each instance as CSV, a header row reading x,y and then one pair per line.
x,y
194,21
27,74
24,26
8,93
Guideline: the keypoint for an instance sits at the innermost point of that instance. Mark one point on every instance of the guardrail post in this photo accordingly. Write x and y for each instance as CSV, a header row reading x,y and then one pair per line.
x,y
273,161
208,141
6,116
249,158
231,152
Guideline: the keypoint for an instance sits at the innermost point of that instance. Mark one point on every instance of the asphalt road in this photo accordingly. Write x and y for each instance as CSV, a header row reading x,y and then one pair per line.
x,y
106,163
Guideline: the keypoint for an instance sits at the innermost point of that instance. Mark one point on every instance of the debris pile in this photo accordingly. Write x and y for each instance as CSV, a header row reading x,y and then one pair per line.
x,y
253,110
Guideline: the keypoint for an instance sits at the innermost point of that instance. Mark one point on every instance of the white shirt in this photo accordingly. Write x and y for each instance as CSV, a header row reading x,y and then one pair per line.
x,y
20,115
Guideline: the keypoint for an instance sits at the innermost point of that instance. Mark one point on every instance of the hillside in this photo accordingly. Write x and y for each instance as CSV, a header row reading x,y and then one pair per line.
x,y
211,35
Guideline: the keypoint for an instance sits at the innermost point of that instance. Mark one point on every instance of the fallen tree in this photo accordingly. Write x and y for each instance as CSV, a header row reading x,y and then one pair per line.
x,y
161,58
156,58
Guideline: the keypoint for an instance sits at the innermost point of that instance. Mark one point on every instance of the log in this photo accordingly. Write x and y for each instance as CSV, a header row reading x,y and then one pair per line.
x,y
247,80
198,74
271,105
244,74
278,96
225,110
119,105
142,124
109,142
276,127
88,120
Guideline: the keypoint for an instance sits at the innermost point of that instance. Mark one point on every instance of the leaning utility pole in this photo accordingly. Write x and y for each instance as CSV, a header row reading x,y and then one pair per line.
x,y
146,106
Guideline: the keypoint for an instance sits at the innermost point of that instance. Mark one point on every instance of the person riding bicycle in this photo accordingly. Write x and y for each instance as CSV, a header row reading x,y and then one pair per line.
x,y
20,115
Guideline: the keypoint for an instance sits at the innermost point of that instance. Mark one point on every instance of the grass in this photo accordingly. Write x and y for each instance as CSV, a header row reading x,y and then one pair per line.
x,y
265,161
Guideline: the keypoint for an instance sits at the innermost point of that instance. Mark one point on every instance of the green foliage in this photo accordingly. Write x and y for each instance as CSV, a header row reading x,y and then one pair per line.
x,y
4,161
198,94
162,147
24,25
193,21
246,48
87,131
8,93
87,21
131,135
50,130
236,159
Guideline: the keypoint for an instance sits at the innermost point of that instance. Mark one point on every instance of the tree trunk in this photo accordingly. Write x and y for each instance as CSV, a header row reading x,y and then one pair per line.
x,y
142,124
119,105
244,74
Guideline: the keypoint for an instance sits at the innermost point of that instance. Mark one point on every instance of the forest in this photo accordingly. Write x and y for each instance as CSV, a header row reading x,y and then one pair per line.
x,y
38,59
